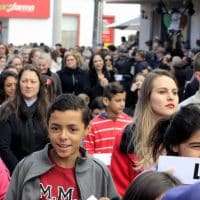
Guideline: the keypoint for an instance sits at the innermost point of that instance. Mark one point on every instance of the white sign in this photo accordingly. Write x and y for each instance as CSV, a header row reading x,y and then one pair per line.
x,y
92,197
186,169
118,77
103,157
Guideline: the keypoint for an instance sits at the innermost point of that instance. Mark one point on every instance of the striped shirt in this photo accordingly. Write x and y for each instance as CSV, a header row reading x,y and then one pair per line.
x,y
103,131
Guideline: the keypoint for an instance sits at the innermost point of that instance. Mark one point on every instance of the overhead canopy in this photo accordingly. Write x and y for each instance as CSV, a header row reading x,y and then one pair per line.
x,y
139,1
132,24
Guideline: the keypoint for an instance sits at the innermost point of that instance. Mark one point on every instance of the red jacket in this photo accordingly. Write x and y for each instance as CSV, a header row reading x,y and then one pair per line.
x,y
122,168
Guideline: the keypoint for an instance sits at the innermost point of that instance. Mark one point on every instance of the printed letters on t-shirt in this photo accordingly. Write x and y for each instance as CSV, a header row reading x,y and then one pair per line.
x,y
62,193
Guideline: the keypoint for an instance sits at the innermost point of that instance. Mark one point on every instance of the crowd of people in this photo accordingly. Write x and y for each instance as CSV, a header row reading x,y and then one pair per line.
x,y
64,111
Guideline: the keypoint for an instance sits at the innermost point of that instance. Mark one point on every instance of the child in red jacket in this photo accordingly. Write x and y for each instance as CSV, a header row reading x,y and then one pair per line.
x,y
105,127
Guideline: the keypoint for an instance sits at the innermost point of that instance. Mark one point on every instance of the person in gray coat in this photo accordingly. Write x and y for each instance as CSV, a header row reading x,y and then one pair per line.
x,y
63,169
44,64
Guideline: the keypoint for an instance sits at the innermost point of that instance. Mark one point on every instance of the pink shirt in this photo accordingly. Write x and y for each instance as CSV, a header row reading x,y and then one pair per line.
x,y
5,180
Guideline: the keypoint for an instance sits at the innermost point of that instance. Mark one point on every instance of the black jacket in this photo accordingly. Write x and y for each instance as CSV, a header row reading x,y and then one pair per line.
x,y
74,80
96,89
20,135
190,88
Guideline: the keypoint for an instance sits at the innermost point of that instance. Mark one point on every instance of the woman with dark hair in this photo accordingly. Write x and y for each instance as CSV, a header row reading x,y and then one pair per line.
x,y
98,74
158,98
150,185
178,135
108,59
8,81
22,119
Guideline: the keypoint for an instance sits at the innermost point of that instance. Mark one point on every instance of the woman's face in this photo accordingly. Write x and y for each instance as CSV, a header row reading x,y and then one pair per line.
x,y
71,62
138,57
108,60
10,86
43,65
2,50
35,57
17,63
98,62
139,80
190,148
2,62
164,96
25,55
29,85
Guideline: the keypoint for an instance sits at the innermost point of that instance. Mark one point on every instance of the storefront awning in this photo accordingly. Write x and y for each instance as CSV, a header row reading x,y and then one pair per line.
x,y
132,24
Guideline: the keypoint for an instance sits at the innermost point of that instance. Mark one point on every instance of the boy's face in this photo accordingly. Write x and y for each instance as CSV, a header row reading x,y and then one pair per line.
x,y
66,130
116,104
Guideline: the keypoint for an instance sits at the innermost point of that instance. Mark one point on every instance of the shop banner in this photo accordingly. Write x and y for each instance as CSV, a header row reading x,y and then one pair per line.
x,y
108,33
24,8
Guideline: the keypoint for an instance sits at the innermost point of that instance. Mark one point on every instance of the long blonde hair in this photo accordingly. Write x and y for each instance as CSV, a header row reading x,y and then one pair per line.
x,y
145,118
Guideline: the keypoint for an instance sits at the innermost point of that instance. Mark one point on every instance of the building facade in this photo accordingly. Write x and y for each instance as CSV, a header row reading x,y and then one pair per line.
x,y
154,21
69,22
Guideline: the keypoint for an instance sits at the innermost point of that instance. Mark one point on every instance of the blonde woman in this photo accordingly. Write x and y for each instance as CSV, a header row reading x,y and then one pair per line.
x,y
158,98
73,78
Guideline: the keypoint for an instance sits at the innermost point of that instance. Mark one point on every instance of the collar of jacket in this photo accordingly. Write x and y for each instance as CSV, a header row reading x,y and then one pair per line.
x,y
28,111
49,73
104,115
69,70
41,163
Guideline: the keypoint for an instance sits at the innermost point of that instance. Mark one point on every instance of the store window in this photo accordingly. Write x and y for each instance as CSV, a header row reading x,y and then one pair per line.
x,y
70,30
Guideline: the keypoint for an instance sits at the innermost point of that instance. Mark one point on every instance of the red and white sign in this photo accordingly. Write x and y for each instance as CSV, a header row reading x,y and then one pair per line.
x,y
24,8
108,33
